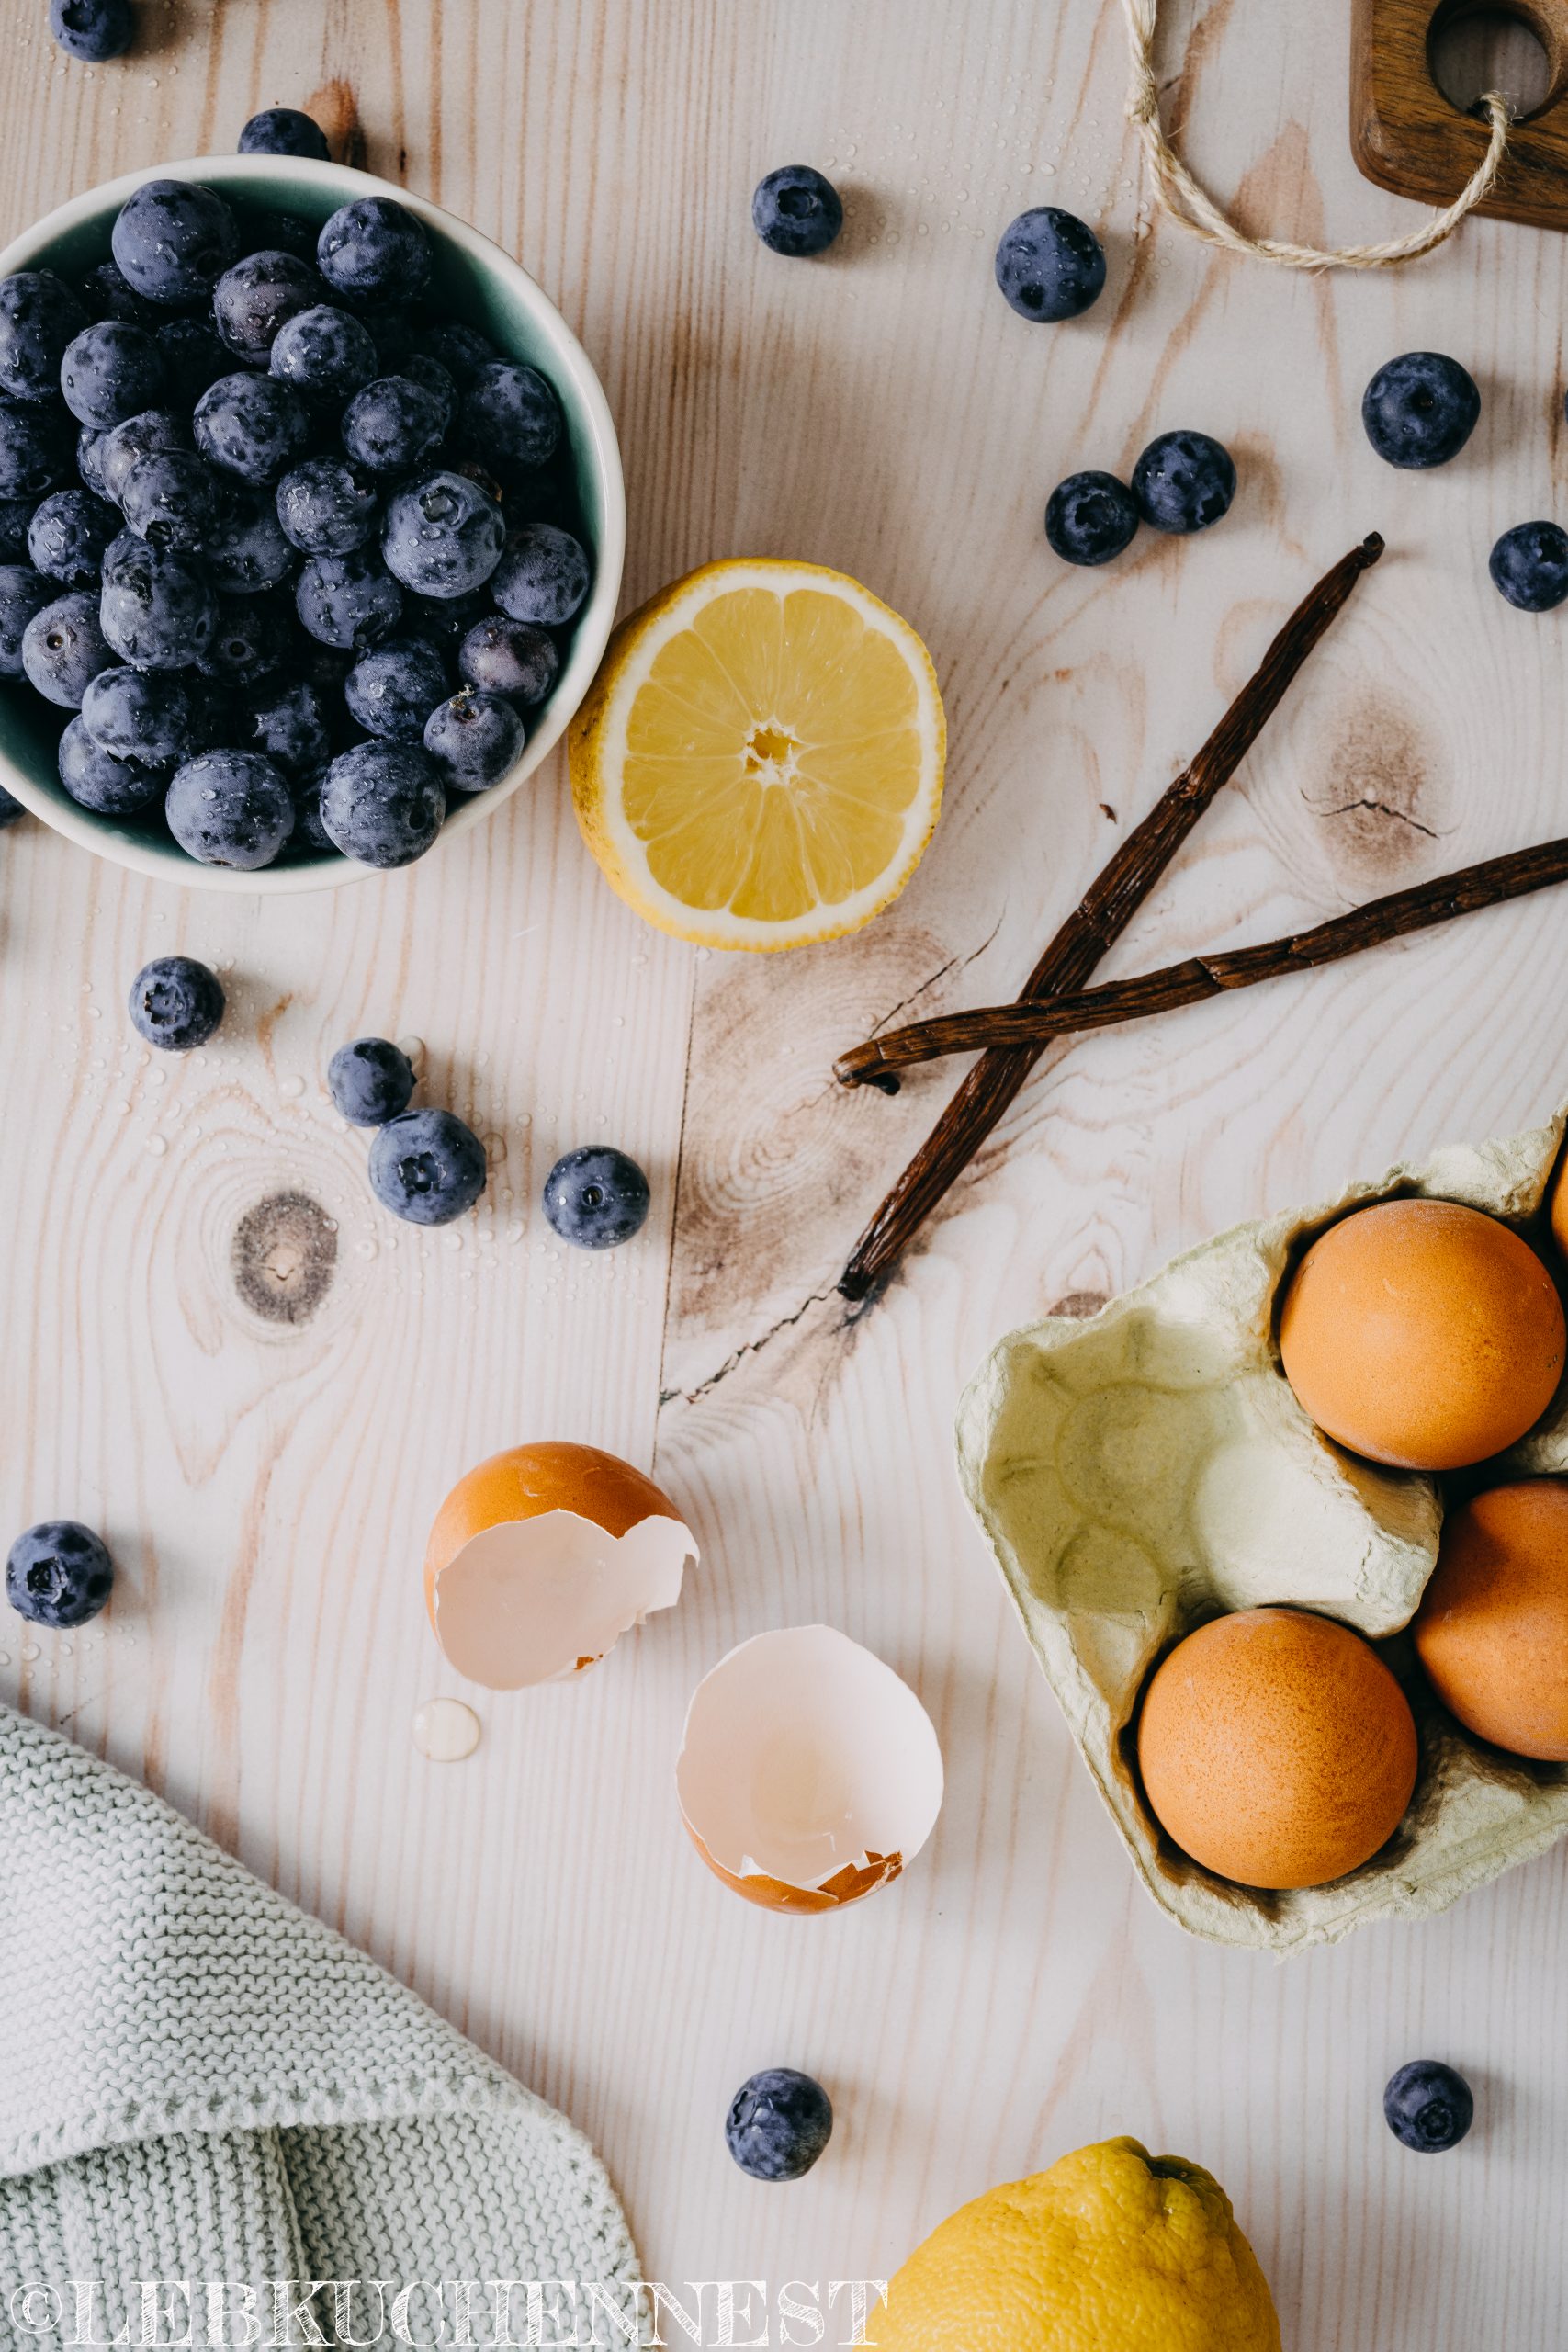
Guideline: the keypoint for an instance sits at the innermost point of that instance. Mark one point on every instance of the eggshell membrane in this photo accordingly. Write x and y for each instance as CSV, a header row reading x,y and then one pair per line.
x,y
809,1773
1423,1334
1491,1629
542,1557
1276,1748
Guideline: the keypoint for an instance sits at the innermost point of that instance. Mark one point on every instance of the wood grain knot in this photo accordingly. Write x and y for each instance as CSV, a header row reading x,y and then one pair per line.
x,y
283,1256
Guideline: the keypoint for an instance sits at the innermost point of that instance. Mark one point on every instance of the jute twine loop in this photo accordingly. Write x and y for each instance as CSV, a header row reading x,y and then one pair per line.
x,y
1191,209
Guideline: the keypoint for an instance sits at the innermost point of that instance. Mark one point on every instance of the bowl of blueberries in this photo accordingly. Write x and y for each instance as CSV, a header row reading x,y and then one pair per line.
x,y
312,523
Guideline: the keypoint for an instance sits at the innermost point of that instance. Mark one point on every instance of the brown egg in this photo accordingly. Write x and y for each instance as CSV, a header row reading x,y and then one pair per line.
x,y
1422,1334
1276,1748
1491,1629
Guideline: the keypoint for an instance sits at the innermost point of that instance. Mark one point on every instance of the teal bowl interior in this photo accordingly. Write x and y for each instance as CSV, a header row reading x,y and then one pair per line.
x,y
473,280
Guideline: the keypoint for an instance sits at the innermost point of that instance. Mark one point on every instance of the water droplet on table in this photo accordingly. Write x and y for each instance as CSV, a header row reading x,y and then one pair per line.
x,y
292,1089
157,1146
29,1651
446,1730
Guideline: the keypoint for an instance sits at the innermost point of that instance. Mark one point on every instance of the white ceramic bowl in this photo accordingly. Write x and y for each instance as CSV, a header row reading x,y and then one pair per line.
x,y
479,284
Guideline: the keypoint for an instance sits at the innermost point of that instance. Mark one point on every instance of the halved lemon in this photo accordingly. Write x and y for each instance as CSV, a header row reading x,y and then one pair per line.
x,y
760,762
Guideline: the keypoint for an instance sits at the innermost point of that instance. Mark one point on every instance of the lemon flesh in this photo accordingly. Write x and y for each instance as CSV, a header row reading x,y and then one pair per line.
x,y
759,762
1110,2247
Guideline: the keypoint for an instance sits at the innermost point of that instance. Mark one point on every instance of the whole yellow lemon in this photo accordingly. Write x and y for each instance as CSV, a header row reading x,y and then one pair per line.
x,y
1112,2247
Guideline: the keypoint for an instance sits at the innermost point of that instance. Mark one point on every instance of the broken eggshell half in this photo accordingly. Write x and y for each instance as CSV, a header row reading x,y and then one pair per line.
x,y
809,1773
543,1556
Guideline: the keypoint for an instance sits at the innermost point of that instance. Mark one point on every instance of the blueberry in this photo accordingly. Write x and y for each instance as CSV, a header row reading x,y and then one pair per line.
x,y
419,368
542,577
1090,517
194,358
348,600
327,506
778,2124
150,716
1420,409
595,1198
288,723
109,787
11,812
460,349
383,803
68,534
1529,566
258,296
34,453
147,435
511,415
1050,264
323,352
795,212
250,642
284,130
444,621
251,426
370,1081
263,227
427,1166
373,248
59,1573
504,657
1183,481
309,836
1428,2107
175,1003
390,328
15,516
93,30
108,293
23,592
393,425
229,808
443,537
171,499
475,739
392,690
157,609
246,551
90,447
63,649
109,373
39,317
173,240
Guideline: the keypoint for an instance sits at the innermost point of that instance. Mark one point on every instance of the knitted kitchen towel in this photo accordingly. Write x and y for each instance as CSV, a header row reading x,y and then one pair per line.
x,y
198,2081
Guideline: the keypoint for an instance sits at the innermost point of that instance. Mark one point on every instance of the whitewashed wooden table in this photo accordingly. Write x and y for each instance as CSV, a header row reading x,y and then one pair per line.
x,y
266,1485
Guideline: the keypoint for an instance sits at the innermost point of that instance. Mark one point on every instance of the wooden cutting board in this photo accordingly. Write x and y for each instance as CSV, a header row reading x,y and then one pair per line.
x,y
1408,137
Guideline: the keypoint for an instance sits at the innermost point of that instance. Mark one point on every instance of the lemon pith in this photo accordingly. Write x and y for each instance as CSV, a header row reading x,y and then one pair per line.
x,y
760,762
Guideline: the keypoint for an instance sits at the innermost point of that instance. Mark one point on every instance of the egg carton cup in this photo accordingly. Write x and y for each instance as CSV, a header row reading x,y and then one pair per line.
x,y
1149,1469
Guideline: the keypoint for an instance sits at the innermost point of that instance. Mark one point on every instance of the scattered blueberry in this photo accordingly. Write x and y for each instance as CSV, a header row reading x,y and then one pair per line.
x,y
97,780
505,657
147,715
370,1080
1090,517
250,642
383,803
348,600
39,318
11,811
59,1573
543,576
475,738
460,349
1428,2107
393,425
1529,566
157,609
63,649
595,1198
427,1166
392,689
34,454
257,296
373,248
443,537
1420,409
288,723
323,352
1183,481
23,592
229,808
284,130
778,2123
93,30
171,499
110,371
795,212
246,552
147,434
327,506
512,414
175,1003
68,534
1050,264
251,426
173,240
